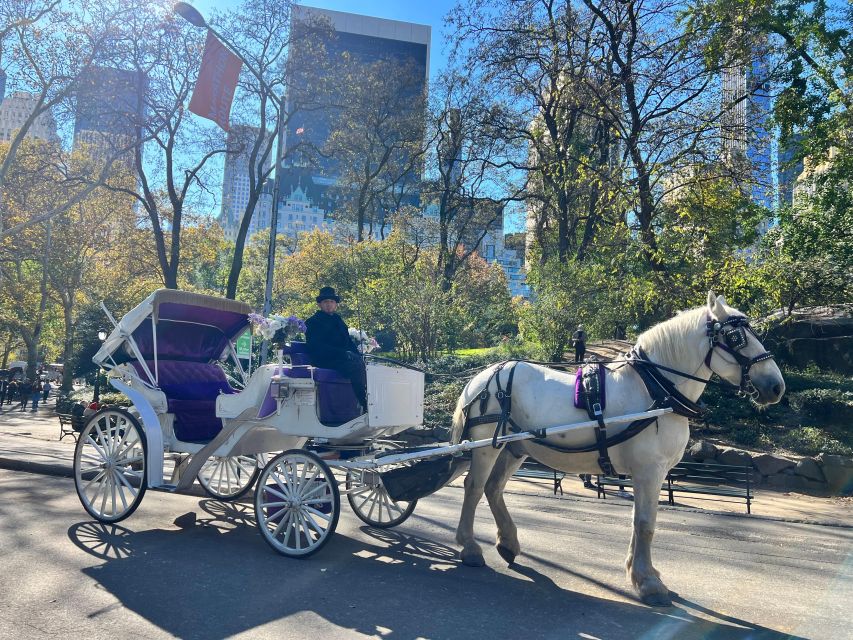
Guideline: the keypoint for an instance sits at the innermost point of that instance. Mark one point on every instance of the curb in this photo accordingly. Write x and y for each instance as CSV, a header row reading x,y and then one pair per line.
x,y
43,468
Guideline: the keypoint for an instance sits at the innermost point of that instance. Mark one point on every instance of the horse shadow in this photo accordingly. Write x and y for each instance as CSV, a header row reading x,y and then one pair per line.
x,y
213,577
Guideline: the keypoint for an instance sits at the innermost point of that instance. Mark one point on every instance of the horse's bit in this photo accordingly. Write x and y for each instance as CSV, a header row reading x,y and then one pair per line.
x,y
730,336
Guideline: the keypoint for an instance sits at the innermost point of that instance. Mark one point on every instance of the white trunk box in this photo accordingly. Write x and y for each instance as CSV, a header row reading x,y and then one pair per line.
x,y
395,397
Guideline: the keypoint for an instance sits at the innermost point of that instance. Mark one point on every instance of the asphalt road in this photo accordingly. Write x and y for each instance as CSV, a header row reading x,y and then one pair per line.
x,y
196,568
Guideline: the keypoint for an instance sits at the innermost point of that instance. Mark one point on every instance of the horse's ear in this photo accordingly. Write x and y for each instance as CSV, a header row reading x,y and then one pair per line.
x,y
720,308
712,300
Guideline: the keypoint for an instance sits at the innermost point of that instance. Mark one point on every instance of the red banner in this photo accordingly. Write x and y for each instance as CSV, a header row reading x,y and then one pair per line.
x,y
217,81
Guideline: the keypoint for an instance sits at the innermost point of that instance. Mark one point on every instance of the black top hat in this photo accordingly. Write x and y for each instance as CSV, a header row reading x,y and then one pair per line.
x,y
328,293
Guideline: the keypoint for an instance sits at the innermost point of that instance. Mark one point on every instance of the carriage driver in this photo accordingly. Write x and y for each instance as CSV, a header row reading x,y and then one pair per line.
x,y
330,346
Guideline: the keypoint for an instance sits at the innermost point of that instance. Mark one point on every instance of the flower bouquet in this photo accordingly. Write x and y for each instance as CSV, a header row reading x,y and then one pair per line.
x,y
363,342
277,329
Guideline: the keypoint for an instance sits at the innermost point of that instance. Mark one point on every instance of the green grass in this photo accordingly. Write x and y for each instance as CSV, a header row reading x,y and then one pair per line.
x,y
465,353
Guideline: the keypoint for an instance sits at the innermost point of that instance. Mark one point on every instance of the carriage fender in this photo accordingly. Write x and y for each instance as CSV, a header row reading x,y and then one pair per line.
x,y
153,432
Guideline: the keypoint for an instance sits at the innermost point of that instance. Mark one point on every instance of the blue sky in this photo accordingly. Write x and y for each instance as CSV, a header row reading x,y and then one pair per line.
x,y
430,13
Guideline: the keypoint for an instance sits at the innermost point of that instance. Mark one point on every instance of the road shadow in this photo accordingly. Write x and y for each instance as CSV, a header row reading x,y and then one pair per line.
x,y
214,577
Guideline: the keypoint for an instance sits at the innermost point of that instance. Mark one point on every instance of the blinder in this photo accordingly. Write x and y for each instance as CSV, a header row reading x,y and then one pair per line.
x,y
731,336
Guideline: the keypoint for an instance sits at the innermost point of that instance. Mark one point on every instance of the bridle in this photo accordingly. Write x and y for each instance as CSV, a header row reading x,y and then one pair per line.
x,y
731,336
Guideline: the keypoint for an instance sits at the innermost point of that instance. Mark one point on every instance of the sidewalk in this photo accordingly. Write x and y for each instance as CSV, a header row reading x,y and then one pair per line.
x,y
30,442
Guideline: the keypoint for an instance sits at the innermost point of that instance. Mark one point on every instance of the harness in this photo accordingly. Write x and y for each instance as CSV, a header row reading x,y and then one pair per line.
x,y
730,336
505,422
734,338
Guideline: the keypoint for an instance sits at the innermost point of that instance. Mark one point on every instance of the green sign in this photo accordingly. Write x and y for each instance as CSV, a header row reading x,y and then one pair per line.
x,y
243,346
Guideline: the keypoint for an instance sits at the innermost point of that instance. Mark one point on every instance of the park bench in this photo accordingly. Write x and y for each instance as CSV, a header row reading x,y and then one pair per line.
x,y
536,471
70,425
722,481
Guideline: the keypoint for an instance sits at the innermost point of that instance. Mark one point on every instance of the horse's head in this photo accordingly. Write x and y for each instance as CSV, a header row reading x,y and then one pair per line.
x,y
737,356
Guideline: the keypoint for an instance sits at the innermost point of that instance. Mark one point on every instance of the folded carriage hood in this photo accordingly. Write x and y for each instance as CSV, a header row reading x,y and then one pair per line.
x,y
190,326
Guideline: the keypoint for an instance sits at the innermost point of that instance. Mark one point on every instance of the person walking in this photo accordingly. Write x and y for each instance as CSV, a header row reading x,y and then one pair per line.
x,y
579,342
35,394
46,391
11,391
25,390
4,386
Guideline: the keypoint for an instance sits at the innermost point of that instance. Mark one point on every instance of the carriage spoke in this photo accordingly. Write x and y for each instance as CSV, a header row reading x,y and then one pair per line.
x,y
325,516
123,479
275,492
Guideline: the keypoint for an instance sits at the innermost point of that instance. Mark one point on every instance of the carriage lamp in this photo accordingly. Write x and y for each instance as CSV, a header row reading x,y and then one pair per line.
x,y
102,335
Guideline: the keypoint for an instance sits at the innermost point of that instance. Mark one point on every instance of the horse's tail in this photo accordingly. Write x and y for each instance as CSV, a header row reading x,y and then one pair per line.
x,y
459,418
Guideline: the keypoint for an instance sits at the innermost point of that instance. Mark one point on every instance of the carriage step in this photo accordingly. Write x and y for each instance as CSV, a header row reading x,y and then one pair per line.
x,y
170,488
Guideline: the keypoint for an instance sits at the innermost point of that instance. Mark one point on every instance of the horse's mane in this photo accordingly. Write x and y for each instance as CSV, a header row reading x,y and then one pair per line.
x,y
667,339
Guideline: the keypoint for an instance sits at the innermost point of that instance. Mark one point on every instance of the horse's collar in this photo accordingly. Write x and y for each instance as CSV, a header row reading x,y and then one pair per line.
x,y
662,390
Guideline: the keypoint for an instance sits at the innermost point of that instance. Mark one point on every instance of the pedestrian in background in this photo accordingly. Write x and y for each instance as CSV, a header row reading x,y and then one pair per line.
x,y
4,386
11,391
25,390
35,394
579,342
46,391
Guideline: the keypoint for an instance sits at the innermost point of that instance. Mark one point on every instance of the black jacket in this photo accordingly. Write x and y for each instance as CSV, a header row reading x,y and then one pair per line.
x,y
327,338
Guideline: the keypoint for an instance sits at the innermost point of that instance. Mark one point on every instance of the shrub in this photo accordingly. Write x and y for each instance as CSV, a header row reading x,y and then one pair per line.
x,y
116,399
824,404
813,440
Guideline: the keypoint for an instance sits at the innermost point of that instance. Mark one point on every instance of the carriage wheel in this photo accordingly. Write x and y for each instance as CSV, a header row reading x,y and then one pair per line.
x,y
109,465
228,477
370,500
297,503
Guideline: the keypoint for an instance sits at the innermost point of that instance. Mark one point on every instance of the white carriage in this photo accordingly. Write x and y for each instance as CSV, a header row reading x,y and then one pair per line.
x,y
195,406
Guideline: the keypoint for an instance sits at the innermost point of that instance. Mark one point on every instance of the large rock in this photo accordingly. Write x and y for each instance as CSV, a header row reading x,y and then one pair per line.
x,y
734,457
768,464
838,471
809,468
702,451
814,335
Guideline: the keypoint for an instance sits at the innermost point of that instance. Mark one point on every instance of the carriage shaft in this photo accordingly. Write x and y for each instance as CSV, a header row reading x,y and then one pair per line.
x,y
462,447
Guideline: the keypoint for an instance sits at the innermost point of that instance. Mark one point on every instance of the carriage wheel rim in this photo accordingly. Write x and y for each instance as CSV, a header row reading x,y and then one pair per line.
x,y
297,503
228,476
372,504
109,466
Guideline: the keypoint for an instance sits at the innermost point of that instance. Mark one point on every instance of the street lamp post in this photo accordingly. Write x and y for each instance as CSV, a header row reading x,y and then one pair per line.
x,y
192,15
96,396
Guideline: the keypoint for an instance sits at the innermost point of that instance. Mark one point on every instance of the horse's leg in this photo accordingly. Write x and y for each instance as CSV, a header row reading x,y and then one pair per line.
x,y
482,461
643,575
507,540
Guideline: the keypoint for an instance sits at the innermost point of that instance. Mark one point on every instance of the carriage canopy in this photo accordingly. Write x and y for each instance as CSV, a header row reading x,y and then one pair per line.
x,y
178,325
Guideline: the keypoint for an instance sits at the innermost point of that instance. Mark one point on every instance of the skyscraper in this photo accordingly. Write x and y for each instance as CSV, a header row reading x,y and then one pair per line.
x,y
745,127
236,179
110,107
324,41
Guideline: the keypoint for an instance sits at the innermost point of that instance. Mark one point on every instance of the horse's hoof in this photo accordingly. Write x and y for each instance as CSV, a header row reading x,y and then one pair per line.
x,y
657,600
473,560
506,553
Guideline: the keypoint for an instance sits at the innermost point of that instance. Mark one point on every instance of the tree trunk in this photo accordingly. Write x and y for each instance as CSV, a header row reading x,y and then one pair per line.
x,y
67,348
7,349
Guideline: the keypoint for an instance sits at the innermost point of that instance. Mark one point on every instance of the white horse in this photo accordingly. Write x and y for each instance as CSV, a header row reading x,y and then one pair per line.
x,y
697,342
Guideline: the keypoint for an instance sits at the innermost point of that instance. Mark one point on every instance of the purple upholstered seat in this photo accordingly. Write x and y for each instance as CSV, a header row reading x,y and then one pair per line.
x,y
191,389
336,401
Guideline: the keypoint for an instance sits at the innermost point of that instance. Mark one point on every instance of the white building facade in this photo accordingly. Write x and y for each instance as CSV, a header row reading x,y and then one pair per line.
x,y
16,108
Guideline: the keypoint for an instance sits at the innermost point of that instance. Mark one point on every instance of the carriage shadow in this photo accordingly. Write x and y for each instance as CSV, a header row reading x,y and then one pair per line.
x,y
214,578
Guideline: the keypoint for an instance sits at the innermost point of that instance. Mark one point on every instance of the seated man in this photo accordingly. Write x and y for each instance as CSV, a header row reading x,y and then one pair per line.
x,y
330,347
